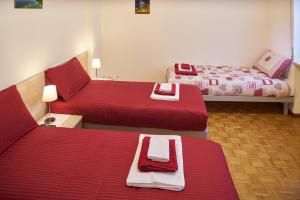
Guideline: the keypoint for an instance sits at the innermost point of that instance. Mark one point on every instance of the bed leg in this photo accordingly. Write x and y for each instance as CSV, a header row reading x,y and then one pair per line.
x,y
286,108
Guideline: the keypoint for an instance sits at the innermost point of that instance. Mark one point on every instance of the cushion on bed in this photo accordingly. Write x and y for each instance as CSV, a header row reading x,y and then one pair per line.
x,y
273,65
69,78
15,119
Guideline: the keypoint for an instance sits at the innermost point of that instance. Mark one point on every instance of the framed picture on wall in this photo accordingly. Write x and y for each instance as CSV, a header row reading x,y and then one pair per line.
x,y
31,4
142,6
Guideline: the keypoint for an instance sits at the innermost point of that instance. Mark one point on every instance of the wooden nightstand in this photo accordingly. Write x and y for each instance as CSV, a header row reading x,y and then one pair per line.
x,y
63,120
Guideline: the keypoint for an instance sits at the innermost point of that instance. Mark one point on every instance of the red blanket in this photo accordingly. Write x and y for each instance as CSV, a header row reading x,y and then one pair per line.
x,y
147,165
129,104
56,163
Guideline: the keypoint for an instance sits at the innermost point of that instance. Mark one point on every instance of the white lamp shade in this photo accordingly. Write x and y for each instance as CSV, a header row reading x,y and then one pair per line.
x,y
96,63
50,93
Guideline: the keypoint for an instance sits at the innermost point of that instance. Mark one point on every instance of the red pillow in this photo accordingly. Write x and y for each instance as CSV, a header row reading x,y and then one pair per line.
x,y
69,78
15,119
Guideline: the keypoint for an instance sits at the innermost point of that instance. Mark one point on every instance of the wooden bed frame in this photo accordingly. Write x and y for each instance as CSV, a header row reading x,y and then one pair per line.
x,y
31,91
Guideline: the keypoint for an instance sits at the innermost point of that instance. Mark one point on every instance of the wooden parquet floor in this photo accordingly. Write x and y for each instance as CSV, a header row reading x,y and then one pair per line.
x,y
262,148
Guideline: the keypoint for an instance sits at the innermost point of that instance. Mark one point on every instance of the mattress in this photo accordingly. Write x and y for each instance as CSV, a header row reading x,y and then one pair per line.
x,y
129,104
59,163
232,81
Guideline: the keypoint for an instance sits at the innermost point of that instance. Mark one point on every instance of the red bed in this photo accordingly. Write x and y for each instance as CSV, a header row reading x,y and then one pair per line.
x,y
57,163
129,104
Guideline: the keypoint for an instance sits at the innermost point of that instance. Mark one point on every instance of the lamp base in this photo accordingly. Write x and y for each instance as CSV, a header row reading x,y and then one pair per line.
x,y
49,120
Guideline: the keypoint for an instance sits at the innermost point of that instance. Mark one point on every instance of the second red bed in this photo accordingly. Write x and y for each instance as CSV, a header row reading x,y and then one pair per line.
x,y
129,104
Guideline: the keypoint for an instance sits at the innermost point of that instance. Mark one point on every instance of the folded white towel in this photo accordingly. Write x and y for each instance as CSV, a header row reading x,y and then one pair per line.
x,y
166,97
169,181
167,87
159,149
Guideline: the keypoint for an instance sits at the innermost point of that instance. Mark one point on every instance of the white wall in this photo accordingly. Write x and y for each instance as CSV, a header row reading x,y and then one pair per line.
x,y
31,40
141,47
279,33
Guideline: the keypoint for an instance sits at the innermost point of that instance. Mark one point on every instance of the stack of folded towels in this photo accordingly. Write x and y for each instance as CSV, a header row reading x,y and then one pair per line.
x,y
158,163
185,69
166,91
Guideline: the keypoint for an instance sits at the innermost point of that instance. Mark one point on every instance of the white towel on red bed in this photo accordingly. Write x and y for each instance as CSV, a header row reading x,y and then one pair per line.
x,y
167,87
164,180
166,97
159,149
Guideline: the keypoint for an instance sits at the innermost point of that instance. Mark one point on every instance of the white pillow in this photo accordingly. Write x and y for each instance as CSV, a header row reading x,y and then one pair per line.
x,y
273,65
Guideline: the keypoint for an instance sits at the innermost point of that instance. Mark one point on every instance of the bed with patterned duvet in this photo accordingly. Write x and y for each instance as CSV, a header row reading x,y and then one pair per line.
x,y
232,81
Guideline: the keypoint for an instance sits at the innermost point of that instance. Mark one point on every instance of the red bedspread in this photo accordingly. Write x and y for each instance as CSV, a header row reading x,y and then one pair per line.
x,y
57,163
129,104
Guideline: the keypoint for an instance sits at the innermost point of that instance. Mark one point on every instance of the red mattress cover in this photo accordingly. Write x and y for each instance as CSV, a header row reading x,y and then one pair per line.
x,y
58,163
129,104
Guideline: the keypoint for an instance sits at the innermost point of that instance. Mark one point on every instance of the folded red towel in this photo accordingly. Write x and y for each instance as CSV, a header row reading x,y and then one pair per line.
x,y
147,165
187,73
160,92
185,66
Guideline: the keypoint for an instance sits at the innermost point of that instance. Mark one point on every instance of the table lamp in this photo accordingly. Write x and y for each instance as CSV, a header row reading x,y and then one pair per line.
x,y
96,64
49,95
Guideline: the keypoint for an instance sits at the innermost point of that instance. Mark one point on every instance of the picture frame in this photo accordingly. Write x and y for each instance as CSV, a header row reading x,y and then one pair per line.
x,y
29,4
142,6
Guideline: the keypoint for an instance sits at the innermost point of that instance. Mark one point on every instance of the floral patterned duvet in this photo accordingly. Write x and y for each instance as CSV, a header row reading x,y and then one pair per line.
x,y
232,81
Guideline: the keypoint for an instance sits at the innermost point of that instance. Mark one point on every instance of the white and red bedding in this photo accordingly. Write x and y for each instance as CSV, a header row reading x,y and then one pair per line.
x,y
232,81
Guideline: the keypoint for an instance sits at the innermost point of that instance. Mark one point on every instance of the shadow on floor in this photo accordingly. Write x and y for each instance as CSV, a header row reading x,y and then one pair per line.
x,y
244,107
